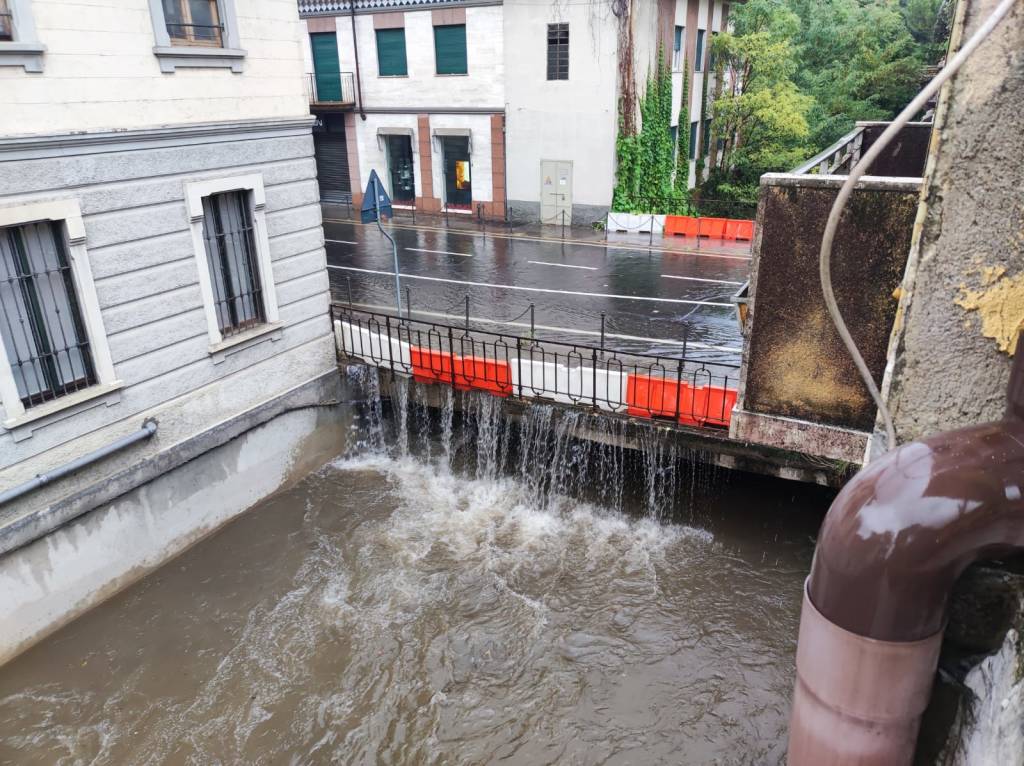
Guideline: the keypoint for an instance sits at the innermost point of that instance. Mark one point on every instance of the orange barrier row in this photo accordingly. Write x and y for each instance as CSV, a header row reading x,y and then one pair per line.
x,y
429,366
714,228
648,397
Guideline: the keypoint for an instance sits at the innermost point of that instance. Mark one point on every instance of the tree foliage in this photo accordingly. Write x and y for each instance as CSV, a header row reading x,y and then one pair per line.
x,y
804,71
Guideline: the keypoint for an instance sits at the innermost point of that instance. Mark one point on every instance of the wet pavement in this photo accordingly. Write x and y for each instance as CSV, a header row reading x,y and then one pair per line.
x,y
654,299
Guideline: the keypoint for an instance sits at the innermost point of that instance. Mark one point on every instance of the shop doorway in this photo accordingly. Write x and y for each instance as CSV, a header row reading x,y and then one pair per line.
x,y
458,182
400,169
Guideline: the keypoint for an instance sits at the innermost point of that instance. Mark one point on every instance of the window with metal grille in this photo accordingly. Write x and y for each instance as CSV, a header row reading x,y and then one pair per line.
x,y
558,51
193,22
40,319
6,21
231,253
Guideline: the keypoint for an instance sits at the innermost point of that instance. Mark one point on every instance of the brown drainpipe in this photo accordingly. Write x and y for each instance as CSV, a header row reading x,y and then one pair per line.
x,y
893,544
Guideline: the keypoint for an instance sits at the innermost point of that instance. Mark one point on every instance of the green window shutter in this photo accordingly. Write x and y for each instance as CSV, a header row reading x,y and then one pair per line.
x,y
450,49
391,52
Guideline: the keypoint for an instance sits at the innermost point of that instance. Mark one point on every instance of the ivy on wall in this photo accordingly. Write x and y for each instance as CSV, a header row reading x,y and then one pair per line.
x,y
646,179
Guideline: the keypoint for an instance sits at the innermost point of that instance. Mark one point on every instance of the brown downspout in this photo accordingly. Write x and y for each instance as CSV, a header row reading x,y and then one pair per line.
x,y
355,52
892,545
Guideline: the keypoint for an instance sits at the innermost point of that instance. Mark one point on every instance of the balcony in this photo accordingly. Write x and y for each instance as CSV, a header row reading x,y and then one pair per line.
x,y
336,90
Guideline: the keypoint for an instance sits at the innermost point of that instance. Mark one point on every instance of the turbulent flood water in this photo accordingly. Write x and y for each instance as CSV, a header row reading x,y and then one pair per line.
x,y
466,599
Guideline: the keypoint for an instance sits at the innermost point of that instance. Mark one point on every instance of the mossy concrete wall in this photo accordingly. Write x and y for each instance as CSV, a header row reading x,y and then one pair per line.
x,y
962,298
796,365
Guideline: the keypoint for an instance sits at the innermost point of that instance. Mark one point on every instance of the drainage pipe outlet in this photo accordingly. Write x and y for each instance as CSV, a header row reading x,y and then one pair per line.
x,y
891,548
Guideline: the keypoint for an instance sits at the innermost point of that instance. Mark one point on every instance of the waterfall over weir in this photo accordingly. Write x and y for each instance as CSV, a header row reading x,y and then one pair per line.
x,y
553,451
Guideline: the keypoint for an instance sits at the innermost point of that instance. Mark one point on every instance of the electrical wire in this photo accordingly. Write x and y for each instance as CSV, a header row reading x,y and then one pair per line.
x,y
858,171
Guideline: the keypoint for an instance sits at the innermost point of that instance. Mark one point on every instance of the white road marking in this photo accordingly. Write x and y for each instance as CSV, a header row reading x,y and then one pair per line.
x,y
567,330
563,265
638,248
535,289
700,279
341,241
437,252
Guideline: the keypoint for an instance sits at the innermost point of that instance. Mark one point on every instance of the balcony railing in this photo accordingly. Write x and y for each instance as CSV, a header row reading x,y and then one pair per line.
x,y
905,157
318,7
331,89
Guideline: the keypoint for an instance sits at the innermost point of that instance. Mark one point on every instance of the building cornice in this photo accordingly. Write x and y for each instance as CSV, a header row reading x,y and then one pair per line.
x,y
311,8
94,142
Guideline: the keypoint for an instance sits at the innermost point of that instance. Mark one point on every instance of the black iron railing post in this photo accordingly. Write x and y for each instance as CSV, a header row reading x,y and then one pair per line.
x,y
519,365
391,356
679,388
602,331
467,313
593,377
451,357
408,303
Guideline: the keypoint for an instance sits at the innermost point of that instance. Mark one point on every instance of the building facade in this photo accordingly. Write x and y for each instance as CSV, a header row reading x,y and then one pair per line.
x,y
496,109
161,259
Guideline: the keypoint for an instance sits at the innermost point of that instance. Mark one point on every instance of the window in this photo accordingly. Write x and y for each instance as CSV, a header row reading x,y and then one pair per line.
x,y
450,49
558,51
18,43
193,22
229,236
6,22
675,140
391,53
41,323
699,56
693,139
53,351
707,136
711,52
677,48
196,33
231,253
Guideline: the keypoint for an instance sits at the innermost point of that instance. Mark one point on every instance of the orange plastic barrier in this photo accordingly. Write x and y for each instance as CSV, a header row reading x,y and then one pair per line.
x,y
680,225
430,366
743,230
712,405
484,374
712,227
648,396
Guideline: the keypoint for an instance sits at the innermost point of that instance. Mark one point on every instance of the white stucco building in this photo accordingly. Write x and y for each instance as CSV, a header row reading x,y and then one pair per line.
x,y
161,259
529,116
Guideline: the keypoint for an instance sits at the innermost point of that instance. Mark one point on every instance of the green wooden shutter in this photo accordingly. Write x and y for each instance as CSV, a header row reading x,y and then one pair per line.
x,y
326,66
450,49
391,52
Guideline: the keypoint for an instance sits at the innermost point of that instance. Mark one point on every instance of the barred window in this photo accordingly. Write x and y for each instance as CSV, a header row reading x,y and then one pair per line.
x,y
193,22
231,254
40,319
558,51
6,21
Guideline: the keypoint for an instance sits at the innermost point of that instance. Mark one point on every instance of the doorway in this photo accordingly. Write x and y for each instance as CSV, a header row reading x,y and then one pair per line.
x,y
555,191
326,67
400,169
458,183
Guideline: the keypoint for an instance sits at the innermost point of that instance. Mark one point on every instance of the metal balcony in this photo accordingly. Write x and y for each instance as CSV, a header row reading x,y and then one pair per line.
x,y
331,90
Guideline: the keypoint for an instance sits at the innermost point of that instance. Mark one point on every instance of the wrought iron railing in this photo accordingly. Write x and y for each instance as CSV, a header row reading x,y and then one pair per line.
x,y
679,390
338,88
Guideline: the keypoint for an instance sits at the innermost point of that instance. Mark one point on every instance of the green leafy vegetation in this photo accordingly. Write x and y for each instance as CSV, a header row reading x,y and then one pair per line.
x,y
806,72
646,177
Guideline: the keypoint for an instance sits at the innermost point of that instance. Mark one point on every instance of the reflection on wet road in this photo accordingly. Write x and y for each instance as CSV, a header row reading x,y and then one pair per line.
x,y
652,300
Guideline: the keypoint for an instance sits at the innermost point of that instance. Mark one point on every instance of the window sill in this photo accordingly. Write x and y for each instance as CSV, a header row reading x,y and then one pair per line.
x,y
23,54
393,76
451,74
171,57
49,409
224,349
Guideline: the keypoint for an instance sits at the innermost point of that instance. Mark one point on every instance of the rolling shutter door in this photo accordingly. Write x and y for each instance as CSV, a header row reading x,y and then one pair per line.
x,y
332,164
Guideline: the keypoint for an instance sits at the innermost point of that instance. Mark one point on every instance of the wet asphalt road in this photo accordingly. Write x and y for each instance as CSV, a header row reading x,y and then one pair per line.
x,y
652,300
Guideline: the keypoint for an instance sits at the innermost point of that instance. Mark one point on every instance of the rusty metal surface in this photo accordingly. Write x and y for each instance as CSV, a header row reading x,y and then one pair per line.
x,y
796,364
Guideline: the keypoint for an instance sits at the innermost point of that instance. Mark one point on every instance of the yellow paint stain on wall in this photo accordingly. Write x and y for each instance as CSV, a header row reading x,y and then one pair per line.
x,y
999,304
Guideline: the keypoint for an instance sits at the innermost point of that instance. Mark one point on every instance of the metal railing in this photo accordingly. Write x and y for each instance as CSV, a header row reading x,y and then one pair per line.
x,y
839,158
335,89
679,390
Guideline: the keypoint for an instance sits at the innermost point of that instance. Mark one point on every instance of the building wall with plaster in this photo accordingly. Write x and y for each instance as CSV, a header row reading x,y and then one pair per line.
x,y
962,297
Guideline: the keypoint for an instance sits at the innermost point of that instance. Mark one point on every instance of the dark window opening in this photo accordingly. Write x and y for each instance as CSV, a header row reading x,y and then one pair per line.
x,y
391,60
450,49
558,51
677,48
400,168
6,21
194,22
40,319
693,140
231,252
699,56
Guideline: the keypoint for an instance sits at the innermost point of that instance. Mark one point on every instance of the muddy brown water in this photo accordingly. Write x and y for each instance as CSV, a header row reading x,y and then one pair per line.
x,y
390,610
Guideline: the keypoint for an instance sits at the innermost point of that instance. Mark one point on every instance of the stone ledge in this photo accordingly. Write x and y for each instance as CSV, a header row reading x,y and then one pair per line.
x,y
816,439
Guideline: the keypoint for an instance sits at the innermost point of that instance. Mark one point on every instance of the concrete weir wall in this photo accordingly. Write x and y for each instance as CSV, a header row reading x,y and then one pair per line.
x,y
50,581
